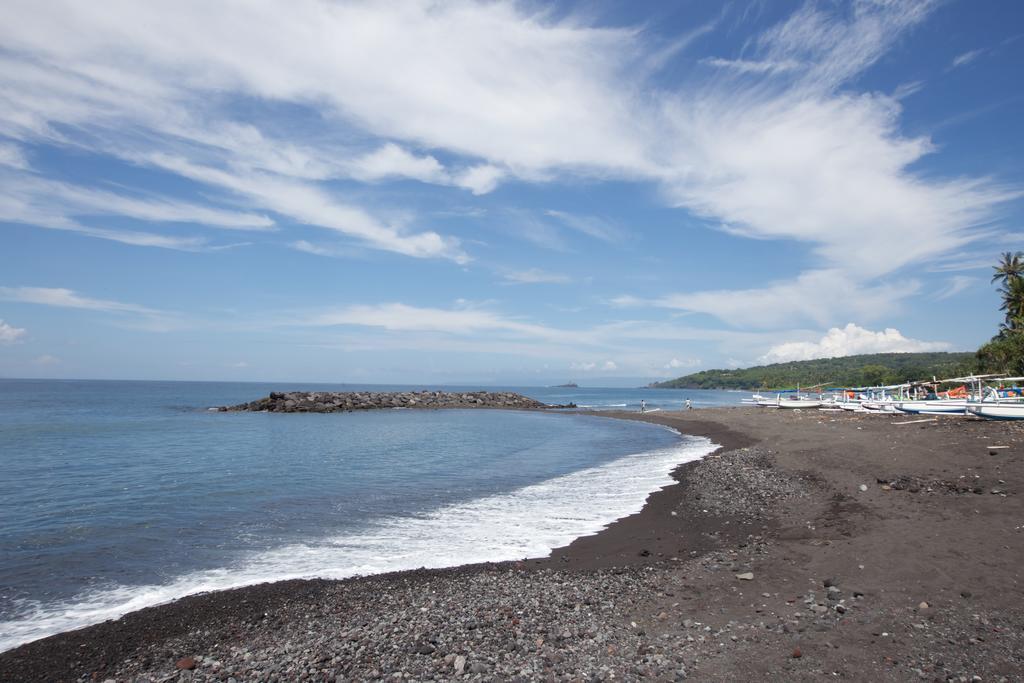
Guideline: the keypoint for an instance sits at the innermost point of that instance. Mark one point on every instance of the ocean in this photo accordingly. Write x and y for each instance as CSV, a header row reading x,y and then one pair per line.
x,y
122,495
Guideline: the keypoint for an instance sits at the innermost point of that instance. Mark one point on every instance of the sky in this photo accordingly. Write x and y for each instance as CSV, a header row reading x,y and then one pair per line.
x,y
500,192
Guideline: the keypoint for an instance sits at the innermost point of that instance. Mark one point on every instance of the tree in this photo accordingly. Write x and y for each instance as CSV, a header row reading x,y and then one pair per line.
x,y
1005,352
1010,272
1013,303
1011,267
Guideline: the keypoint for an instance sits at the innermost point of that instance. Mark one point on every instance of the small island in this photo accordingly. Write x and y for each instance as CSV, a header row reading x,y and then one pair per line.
x,y
348,401
568,385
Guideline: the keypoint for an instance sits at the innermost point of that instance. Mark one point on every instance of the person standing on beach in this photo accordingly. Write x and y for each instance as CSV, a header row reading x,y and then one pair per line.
x,y
643,406
689,406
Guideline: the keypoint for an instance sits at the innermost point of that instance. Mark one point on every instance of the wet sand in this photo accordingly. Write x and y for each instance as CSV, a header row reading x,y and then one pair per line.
x,y
721,576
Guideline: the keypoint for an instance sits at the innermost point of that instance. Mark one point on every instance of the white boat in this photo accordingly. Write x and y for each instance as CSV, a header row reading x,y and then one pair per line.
x,y
798,402
939,405
995,407
997,411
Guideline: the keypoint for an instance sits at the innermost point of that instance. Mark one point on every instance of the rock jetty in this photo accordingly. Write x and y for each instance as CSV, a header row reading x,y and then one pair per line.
x,y
346,401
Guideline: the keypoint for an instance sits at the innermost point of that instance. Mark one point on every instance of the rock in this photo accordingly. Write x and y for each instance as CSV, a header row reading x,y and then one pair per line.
x,y
863,487
745,576
329,402
185,664
478,668
460,664
830,583
923,605
796,653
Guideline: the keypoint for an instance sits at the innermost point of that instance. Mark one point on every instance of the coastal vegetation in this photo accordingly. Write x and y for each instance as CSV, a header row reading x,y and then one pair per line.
x,y
1005,351
853,371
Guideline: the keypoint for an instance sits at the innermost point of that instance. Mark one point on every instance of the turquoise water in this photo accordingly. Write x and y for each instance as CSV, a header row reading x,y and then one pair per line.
x,y
120,495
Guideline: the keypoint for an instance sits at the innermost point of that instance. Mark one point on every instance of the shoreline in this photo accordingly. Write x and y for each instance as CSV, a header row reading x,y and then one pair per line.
x,y
565,551
769,501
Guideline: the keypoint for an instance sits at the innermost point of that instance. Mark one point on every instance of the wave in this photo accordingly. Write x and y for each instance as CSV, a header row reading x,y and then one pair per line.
x,y
527,522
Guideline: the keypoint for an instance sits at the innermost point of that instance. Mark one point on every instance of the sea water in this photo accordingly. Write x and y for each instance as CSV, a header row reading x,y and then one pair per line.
x,y
120,495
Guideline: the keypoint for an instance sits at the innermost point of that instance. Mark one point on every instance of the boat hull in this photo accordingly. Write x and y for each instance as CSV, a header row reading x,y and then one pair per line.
x,y
792,403
939,406
997,411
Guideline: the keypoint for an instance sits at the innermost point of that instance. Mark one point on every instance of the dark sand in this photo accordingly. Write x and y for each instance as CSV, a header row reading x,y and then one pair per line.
x,y
926,566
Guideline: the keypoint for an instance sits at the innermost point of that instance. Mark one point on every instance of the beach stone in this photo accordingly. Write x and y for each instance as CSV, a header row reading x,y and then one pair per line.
x,y
745,576
460,664
922,605
863,487
478,668
186,663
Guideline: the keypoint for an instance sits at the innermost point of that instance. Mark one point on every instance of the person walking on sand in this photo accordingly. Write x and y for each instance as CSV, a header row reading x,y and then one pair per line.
x,y
643,406
689,406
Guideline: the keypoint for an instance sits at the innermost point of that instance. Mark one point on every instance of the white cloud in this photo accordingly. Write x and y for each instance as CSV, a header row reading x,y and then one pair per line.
x,y
675,363
815,296
66,298
392,161
480,179
12,156
966,58
10,334
57,205
311,205
534,276
848,341
592,226
955,285
140,317
590,366
747,66
402,317
776,145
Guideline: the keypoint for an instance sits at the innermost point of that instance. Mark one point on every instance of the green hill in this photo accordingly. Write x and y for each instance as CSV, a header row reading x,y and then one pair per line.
x,y
851,371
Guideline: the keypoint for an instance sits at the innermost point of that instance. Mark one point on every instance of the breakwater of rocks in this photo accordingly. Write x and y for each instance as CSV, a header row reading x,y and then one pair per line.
x,y
345,401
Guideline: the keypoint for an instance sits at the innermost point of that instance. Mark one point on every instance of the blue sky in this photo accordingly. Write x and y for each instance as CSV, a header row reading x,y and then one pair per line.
x,y
500,192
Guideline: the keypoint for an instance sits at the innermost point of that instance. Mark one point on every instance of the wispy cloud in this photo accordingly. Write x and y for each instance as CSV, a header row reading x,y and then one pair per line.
x,y
138,317
9,333
534,276
12,156
66,298
966,58
815,296
591,226
777,142
748,66
848,341
955,285
311,205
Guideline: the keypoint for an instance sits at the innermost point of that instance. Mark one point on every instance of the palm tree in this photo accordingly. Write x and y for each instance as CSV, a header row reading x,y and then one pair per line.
x,y
1013,303
1011,267
1011,271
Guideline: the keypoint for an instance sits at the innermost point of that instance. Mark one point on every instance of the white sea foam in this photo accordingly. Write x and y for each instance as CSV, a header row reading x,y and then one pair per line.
x,y
527,522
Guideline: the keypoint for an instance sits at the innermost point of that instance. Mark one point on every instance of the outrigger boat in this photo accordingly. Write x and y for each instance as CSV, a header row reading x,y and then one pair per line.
x,y
953,401
998,403
796,400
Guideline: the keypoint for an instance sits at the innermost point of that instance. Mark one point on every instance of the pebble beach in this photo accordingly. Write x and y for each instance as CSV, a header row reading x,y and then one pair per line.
x,y
811,544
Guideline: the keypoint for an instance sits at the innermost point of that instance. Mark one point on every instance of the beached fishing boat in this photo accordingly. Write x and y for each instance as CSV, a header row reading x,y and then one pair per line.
x,y
998,402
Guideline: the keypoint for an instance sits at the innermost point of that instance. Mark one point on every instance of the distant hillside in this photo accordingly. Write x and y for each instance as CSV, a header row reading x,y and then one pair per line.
x,y
851,371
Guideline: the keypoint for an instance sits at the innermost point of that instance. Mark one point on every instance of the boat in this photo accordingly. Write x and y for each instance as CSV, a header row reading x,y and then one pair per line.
x,y
997,403
796,400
